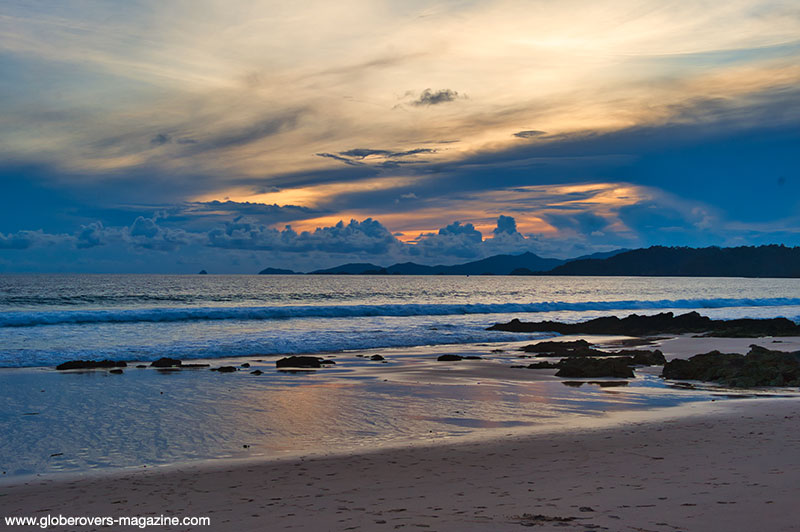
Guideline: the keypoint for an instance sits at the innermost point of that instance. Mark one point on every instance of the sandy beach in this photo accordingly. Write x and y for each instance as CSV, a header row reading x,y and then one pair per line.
x,y
723,466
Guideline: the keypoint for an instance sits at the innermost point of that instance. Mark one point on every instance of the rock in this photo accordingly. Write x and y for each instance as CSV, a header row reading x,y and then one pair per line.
x,y
542,365
225,369
663,323
166,362
556,347
298,362
586,367
256,372
377,358
91,364
760,367
327,361
202,272
116,371
449,358
140,366
644,357
245,365
608,384
473,357
194,366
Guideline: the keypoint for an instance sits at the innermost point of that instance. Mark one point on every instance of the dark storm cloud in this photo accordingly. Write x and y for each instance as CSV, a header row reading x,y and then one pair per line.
x,y
161,139
345,160
585,222
529,134
274,212
671,225
429,97
361,153
383,158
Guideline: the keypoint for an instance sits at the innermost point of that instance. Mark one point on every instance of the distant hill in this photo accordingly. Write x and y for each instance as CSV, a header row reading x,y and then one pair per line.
x,y
276,271
495,265
600,255
352,268
745,261
657,261
500,265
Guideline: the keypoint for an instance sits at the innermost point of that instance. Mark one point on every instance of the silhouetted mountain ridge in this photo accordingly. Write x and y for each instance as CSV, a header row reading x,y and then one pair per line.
x,y
660,261
495,265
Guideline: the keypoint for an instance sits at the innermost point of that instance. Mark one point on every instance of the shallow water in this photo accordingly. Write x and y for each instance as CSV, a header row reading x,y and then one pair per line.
x,y
79,421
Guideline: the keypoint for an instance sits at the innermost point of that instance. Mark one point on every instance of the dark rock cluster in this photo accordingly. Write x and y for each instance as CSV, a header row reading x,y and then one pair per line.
x,y
166,362
302,362
581,360
456,358
595,367
759,367
577,348
91,364
663,323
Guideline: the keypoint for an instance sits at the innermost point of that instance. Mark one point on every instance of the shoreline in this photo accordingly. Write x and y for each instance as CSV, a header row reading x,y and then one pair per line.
x,y
677,471
567,423
154,419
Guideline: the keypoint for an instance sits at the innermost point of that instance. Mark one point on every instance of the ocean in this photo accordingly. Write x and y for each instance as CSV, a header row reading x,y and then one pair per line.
x,y
48,319
75,422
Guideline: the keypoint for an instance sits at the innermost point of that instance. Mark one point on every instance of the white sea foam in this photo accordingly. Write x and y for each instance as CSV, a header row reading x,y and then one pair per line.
x,y
158,315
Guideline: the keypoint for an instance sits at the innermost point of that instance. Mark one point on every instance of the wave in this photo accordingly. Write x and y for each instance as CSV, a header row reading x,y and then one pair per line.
x,y
260,344
157,315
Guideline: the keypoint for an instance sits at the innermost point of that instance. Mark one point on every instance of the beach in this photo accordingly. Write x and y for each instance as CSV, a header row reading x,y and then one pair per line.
x,y
724,466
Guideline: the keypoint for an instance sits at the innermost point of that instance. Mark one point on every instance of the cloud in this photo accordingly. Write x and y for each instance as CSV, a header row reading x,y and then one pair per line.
x,y
429,97
146,233
265,213
28,239
453,240
584,223
250,133
90,235
161,139
165,138
529,134
505,224
377,157
345,160
362,153
367,236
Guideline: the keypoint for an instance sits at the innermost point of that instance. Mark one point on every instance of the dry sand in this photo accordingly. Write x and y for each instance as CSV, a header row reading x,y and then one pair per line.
x,y
730,466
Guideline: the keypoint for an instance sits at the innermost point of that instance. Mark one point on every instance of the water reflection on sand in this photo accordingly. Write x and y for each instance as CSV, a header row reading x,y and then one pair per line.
x,y
74,421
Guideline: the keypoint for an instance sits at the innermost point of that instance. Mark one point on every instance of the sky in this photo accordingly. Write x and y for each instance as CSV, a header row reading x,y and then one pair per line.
x,y
169,137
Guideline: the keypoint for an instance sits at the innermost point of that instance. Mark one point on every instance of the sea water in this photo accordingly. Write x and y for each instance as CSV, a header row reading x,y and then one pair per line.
x,y
48,319
78,421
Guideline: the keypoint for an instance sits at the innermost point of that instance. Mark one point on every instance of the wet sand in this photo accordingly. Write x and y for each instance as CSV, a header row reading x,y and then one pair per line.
x,y
726,466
